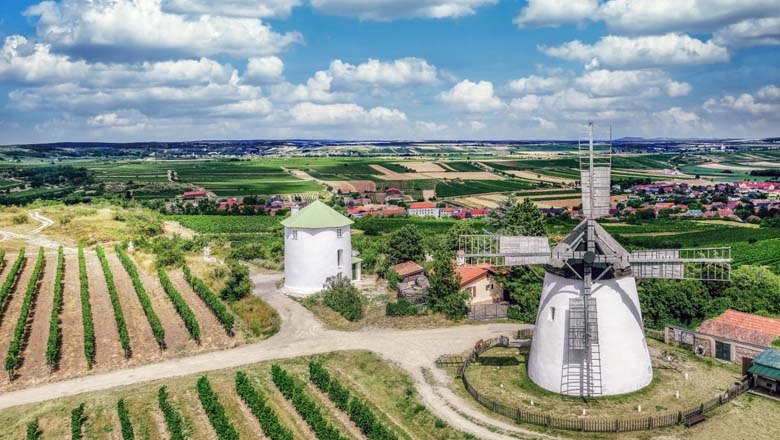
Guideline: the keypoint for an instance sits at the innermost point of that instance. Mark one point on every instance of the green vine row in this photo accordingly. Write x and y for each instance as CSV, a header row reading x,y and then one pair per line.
x,y
182,308
143,297
20,331
86,311
119,316
215,411
54,343
254,399
211,299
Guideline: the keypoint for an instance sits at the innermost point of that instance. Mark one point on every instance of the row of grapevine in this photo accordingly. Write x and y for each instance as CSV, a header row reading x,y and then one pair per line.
x,y
33,430
215,411
172,417
357,409
306,407
10,281
86,311
77,419
15,348
269,421
2,259
54,344
182,308
143,297
211,299
124,421
119,316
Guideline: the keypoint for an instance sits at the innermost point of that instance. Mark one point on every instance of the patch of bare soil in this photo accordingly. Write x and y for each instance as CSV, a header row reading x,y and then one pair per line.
x,y
72,361
212,333
9,313
108,350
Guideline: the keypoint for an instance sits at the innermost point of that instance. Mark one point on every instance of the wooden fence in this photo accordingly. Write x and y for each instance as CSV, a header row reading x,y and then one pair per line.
x,y
488,311
584,423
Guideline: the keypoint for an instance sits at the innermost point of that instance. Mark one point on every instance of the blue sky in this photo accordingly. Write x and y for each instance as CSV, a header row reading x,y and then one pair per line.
x,y
134,70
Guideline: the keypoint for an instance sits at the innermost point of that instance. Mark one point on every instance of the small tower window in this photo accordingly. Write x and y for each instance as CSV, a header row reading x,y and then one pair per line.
x,y
339,254
339,232
294,234
552,314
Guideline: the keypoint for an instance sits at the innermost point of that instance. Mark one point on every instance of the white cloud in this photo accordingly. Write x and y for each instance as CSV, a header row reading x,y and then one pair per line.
x,y
250,107
311,114
765,103
128,26
538,84
264,70
317,89
769,93
555,12
648,51
754,32
232,8
382,10
402,71
125,118
472,97
678,120
631,82
431,127
24,61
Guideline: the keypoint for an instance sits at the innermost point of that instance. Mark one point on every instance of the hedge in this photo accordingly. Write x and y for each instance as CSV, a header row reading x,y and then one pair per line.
x,y
77,420
119,316
54,343
182,308
211,299
215,411
10,281
172,417
269,421
403,307
28,304
143,297
306,407
86,311
33,431
124,421
359,412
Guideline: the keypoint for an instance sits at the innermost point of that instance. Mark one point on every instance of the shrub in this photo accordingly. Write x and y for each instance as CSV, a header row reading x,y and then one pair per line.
x,y
341,296
211,299
215,411
33,431
28,304
403,307
77,420
238,284
182,308
269,421
86,311
119,316
143,297
55,331
173,420
124,421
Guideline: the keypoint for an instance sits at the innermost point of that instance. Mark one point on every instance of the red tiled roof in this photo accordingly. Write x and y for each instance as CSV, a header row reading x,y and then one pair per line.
x,y
743,327
422,205
471,273
198,193
407,268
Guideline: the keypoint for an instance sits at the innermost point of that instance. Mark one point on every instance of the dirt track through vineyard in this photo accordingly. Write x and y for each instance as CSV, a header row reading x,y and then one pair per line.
x,y
33,366
108,350
72,360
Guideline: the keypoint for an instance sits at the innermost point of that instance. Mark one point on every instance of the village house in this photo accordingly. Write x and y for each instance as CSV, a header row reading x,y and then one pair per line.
x,y
196,194
423,209
735,335
412,282
478,281
393,195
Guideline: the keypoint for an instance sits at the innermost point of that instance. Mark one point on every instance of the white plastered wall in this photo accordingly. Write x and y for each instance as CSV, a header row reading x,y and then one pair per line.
x,y
311,258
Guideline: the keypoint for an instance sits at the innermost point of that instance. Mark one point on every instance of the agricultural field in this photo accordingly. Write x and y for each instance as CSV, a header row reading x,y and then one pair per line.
x,y
248,401
447,189
228,224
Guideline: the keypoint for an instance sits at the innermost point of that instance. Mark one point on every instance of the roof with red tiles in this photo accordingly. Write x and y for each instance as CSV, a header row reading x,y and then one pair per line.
x,y
407,268
470,273
422,205
743,327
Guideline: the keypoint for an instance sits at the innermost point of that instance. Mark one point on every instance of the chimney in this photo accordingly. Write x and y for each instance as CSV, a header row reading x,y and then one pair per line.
x,y
294,209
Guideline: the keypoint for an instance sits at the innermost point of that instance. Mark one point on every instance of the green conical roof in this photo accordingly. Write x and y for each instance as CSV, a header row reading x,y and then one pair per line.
x,y
316,215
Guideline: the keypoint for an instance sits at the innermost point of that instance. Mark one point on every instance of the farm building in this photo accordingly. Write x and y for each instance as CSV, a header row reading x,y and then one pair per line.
x,y
423,209
734,335
317,246
478,282
765,368
413,282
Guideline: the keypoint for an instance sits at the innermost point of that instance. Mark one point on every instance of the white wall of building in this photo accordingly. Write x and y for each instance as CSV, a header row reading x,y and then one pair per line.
x,y
310,257
625,361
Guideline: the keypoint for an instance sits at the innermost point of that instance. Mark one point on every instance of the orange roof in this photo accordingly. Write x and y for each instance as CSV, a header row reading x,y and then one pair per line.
x,y
407,268
422,205
743,327
470,273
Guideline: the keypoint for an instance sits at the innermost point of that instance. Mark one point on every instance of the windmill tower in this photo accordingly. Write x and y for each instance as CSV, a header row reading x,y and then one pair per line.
x,y
589,337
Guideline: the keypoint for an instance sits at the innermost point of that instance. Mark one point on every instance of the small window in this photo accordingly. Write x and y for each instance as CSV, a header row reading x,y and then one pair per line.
x,y
472,292
552,314
339,254
723,351
294,234
339,232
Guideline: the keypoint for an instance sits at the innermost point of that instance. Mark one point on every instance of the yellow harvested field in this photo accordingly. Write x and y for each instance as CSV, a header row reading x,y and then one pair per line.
x,y
386,174
573,202
422,167
530,175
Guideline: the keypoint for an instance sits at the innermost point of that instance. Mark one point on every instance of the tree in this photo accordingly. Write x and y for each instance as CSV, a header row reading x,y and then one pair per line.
x,y
238,284
405,244
524,287
444,294
682,302
341,296
754,289
462,227
512,218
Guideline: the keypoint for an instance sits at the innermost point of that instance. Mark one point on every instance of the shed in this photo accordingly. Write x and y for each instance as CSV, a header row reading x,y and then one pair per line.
x,y
766,370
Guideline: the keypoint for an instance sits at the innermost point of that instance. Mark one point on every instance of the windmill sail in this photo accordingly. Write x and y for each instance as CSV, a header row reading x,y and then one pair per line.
x,y
706,264
595,166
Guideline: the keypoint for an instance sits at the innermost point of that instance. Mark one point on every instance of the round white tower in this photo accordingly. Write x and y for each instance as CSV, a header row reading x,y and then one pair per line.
x,y
317,246
620,362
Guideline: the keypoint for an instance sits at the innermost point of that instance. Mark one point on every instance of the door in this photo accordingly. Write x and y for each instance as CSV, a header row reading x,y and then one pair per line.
x,y
723,351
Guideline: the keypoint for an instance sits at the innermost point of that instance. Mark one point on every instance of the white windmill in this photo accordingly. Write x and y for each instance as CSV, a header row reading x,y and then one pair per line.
x,y
589,338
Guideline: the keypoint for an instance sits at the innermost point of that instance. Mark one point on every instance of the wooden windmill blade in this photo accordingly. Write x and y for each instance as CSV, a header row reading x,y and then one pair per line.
x,y
595,176
503,250
706,264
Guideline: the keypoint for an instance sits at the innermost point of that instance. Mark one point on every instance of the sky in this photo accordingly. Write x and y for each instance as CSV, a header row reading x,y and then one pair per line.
x,y
172,70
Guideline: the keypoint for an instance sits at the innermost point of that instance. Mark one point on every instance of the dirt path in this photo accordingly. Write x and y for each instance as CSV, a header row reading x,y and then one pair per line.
x,y
142,340
212,333
108,350
33,367
72,360
44,221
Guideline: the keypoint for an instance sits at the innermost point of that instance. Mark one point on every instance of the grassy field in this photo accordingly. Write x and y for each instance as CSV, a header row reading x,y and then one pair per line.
x,y
454,189
384,386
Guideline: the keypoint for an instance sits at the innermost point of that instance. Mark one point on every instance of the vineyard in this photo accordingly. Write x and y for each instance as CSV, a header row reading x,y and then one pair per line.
x,y
65,314
228,224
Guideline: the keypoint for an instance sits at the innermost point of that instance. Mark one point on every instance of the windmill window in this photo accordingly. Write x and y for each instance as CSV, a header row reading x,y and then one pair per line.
x,y
339,254
552,314
339,232
294,234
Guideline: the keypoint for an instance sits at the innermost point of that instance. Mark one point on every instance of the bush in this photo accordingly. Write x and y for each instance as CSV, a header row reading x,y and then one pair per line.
x,y
77,420
33,432
86,311
172,418
211,299
403,307
341,296
393,279
124,421
215,411
269,421
238,284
